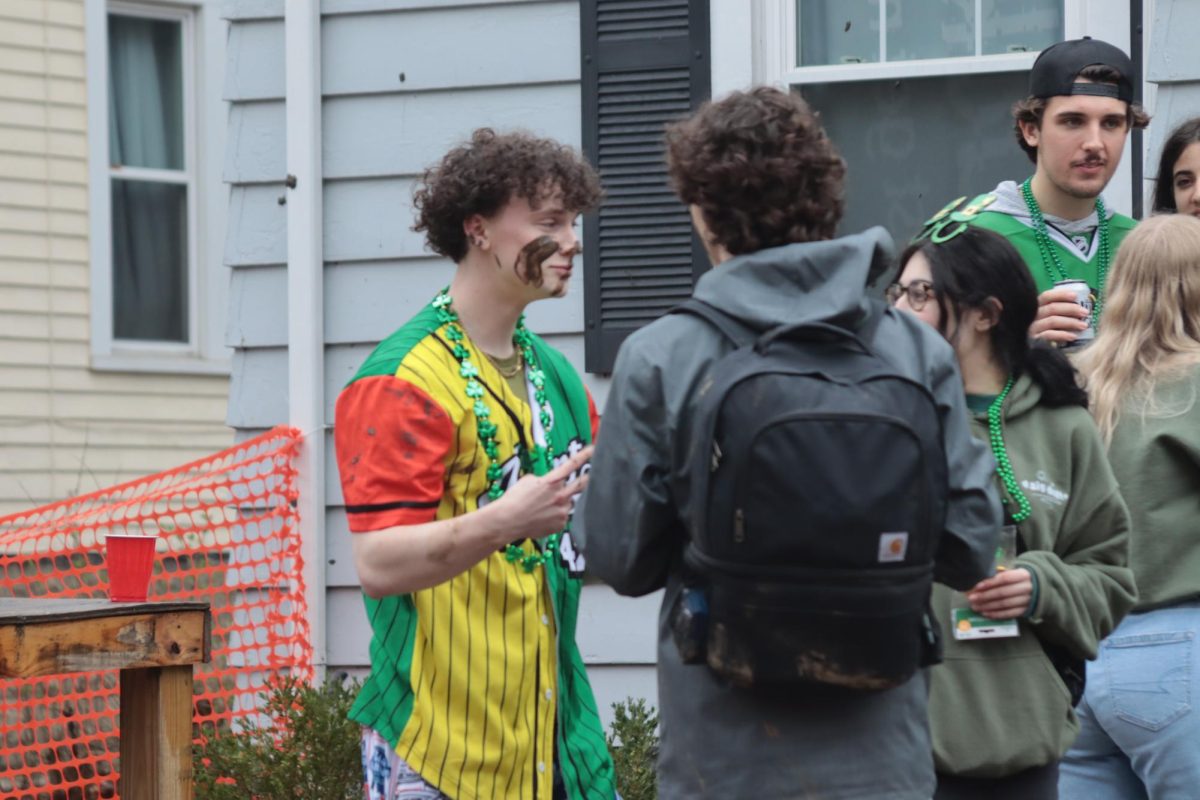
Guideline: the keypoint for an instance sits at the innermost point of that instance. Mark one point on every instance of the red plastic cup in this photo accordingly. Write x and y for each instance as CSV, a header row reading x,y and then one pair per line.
x,y
130,562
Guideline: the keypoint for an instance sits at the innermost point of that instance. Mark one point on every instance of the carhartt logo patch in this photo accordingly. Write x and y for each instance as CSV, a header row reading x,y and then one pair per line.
x,y
892,547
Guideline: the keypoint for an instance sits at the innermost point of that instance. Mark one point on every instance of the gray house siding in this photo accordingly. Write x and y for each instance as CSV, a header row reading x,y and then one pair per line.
x,y
401,82
1174,66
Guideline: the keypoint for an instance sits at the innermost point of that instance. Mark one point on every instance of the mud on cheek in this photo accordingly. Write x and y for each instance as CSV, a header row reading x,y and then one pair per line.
x,y
528,265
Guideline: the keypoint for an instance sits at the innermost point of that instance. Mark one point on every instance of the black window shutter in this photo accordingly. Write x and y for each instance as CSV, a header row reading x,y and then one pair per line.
x,y
645,63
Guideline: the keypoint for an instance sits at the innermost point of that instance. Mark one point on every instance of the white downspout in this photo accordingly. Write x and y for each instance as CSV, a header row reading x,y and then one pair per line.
x,y
731,35
306,320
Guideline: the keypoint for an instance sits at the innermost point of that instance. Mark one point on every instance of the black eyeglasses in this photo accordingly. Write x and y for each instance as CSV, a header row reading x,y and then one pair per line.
x,y
919,292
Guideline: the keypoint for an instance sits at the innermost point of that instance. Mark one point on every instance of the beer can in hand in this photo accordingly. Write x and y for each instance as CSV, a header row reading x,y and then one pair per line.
x,y
1085,298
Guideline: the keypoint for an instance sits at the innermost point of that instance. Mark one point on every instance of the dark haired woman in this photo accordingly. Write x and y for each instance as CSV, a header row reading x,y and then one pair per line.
x,y
1177,189
1000,709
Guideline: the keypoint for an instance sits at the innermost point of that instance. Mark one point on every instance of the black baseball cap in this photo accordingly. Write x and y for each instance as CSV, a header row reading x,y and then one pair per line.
x,y
1055,70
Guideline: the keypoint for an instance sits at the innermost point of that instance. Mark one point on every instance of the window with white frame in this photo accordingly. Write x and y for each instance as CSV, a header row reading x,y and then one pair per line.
x,y
916,94
151,174
154,306
871,31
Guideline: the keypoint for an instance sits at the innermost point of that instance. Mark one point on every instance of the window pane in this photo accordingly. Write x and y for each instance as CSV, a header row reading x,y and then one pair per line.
x,y
912,146
150,283
837,31
930,29
1018,25
145,92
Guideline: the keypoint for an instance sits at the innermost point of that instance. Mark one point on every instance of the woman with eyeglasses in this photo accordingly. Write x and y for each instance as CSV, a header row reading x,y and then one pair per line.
x,y
1140,734
1001,705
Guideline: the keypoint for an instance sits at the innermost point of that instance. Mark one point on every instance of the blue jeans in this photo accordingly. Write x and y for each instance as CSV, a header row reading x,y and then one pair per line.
x,y
1139,736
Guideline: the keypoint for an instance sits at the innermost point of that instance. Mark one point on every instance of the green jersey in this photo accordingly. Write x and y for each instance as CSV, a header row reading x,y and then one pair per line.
x,y
1079,255
1075,243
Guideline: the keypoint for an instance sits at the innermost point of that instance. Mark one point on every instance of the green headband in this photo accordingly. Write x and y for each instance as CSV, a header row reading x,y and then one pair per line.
x,y
952,220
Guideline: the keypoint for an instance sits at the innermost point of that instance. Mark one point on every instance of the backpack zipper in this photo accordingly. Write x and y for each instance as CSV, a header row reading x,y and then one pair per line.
x,y
700,562
716,457
739,519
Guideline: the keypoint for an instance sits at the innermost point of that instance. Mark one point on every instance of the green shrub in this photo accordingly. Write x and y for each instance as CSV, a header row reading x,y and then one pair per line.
x,y
311,750
633,741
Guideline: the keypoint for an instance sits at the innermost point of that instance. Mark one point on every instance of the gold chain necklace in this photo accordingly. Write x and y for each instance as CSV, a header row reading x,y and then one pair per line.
x,y
512,371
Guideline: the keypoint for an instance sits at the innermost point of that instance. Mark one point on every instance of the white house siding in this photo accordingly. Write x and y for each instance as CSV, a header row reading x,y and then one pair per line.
x,y
66,429
402,81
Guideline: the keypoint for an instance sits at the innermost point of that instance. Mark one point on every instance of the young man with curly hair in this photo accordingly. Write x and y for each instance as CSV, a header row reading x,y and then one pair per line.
x,y
765,190
462,443
1073,127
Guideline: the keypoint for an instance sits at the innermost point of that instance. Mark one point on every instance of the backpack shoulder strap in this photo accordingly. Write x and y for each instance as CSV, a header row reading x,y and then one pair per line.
x,y
729,327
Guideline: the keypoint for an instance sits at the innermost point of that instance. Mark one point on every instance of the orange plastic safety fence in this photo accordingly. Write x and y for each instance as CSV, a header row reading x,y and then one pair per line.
x,y
227,533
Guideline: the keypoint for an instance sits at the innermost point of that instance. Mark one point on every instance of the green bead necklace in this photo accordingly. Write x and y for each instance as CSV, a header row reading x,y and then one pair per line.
x,y
1050,256
487,429
1000,453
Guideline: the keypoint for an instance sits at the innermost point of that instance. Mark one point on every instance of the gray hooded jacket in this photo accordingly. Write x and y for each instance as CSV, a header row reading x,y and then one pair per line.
x,y
718,741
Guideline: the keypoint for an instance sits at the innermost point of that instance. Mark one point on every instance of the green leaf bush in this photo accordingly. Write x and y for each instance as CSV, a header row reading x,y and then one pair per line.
x,y
311,750
633,742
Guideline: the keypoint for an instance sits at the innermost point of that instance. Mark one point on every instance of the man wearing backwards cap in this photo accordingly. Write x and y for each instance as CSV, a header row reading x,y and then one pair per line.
x,y
1073,127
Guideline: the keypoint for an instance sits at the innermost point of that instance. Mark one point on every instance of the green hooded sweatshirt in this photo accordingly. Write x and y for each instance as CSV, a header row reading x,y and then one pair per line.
x,y
997,706
1157,461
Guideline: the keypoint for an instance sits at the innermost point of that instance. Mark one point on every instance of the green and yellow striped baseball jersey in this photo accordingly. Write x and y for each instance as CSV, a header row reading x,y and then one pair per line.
x,y
477,682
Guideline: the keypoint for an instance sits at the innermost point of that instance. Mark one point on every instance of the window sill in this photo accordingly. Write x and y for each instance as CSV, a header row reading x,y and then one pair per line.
x,y
914,68
160,363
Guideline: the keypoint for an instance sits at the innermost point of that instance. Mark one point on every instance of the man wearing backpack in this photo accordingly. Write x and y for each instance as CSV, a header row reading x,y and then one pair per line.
x,y
796,543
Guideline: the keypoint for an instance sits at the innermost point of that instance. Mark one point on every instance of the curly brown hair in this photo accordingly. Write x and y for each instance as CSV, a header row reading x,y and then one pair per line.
x,y
760,168
483,174
1031,109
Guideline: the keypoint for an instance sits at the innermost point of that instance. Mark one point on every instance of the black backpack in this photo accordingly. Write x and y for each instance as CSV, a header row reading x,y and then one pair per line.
x,y
818,480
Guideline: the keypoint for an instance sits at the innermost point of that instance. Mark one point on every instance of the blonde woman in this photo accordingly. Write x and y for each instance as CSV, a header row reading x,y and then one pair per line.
x,y
1140,735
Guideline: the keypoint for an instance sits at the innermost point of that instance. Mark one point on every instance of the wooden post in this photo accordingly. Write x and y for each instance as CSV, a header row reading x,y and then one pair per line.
x,y
156,733
154,645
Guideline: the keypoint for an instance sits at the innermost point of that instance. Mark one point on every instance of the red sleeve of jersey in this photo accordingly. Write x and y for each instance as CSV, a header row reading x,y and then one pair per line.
x,y
593,415
391,440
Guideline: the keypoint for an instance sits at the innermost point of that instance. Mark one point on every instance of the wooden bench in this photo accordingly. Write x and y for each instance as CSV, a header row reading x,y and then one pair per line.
x,y
154,645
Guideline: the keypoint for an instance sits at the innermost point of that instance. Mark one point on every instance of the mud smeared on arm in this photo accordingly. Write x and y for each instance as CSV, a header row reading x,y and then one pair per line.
x,y
441,550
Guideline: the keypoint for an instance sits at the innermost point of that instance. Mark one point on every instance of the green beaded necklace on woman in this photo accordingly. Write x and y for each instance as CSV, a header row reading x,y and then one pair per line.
x,y
487,429
1000,453
1050,257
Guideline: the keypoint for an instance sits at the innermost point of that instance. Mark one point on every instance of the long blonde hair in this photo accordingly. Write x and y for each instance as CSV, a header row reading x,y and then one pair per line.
x,y
1151,323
